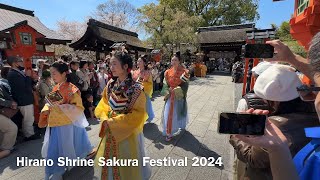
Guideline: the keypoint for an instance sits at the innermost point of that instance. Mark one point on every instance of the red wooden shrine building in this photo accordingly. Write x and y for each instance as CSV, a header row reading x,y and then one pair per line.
x,y
305,22
22,34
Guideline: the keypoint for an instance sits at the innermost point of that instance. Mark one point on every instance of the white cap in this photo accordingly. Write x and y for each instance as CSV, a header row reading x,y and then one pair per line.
x,y
278,83
261,67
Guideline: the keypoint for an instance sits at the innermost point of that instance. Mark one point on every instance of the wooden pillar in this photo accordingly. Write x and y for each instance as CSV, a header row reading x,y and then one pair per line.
x,y
245,77
253,79
246,72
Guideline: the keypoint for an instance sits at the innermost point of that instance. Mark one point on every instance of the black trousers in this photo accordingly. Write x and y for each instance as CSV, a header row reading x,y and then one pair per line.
x,y
95,95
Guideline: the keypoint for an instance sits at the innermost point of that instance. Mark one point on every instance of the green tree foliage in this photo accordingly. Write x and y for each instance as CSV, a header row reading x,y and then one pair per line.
x,y
218,12
167,25
283,33
153,19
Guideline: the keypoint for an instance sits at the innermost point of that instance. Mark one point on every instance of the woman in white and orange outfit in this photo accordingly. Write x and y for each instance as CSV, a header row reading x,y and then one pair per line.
x,y
175,87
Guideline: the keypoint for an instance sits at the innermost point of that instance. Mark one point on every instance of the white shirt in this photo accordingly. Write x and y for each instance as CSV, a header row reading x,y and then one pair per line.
x,y
85,78
156,75
103,79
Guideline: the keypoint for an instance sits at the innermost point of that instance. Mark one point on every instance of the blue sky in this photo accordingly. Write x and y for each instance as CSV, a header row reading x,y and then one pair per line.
x,y
50,11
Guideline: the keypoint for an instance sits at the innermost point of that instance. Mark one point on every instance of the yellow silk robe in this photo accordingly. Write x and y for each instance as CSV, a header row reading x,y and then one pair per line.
x,y
56,116
125,129
146,79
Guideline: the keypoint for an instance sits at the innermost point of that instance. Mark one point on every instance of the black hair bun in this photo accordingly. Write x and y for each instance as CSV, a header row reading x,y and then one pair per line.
x,y
124,58
177,54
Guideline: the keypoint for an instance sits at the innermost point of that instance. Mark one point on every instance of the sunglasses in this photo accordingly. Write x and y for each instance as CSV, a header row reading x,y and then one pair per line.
x,y
308,93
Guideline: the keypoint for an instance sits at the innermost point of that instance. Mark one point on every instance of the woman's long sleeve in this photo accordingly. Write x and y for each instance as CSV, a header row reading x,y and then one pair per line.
x,y
148,86
165,88
103,108
77,101
58,116
43,119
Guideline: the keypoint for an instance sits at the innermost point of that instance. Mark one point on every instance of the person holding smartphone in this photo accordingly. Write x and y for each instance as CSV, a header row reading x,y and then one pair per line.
x,y
84,76
275,89
305,164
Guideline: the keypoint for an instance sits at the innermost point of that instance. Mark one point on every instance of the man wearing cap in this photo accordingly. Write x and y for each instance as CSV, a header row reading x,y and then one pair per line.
x,y
21,88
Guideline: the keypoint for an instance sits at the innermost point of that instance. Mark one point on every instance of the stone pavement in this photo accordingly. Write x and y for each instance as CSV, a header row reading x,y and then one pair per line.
x,y
206,98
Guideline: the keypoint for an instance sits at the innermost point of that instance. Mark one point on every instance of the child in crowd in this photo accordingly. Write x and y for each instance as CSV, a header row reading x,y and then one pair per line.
x,y
88,106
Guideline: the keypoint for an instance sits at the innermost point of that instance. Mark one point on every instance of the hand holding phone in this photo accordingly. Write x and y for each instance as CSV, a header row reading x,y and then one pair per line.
x,y
273,138
242,123
258,51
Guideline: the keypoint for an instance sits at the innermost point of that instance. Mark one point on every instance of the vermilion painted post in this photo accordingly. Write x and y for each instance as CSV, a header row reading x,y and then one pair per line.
x,y
253,79
246,69
245,77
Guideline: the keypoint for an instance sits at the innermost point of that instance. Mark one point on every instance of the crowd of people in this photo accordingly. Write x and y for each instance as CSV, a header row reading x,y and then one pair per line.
x,y
113,91
89,77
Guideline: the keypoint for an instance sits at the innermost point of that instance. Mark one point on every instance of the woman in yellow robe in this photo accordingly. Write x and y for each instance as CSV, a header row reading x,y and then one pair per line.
x,y
122,111
66,135
143,75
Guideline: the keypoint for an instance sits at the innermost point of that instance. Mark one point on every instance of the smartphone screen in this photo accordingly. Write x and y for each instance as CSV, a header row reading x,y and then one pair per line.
x,y
239,123
258,51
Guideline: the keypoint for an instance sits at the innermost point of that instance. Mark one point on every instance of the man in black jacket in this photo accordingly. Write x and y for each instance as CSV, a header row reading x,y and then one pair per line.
x,y
75,79
21,90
